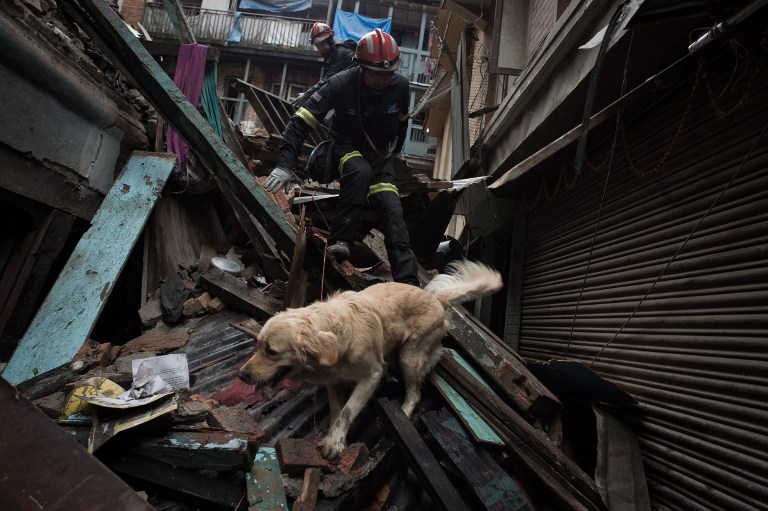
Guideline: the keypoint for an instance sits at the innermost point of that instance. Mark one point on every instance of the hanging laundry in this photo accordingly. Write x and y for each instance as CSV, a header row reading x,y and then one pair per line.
x,y
190,71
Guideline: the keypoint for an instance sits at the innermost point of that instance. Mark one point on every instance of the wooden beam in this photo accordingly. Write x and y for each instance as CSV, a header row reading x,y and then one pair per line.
x,y
206,491
505,367
476,425
442,491
296,289
200,450
23,176
531,445
159,89
179,21
308,498
78,296
490,483
239,296
270,258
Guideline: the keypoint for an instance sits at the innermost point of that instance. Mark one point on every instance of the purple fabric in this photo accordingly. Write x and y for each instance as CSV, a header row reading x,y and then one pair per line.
x,y
190,71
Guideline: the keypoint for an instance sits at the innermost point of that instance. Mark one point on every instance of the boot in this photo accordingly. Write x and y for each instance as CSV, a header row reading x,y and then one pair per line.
x,y
340,250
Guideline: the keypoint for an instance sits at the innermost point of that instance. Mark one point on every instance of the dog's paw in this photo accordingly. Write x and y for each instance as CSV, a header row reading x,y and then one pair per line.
x,y
331,446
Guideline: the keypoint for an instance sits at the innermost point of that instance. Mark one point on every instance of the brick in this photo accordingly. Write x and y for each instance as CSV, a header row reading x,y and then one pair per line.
x,y
215,305
353,457
94,354
151,313
194,306
295,455
234,420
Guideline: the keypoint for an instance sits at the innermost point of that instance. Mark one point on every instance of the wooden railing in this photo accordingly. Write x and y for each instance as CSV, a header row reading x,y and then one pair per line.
x,y
214,27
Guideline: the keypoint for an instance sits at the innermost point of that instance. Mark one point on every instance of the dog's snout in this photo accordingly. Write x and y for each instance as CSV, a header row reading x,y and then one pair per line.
x,y
245,376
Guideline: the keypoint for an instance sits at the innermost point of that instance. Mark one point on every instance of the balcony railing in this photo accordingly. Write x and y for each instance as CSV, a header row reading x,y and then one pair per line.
x,y
419,144
269,32
214,27
263,32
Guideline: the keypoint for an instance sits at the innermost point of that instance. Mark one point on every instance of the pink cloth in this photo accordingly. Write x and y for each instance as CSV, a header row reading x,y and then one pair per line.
x,y
190,71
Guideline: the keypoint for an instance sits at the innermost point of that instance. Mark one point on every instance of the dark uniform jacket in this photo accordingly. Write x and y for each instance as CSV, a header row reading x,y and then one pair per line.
x,y
383,114
339,60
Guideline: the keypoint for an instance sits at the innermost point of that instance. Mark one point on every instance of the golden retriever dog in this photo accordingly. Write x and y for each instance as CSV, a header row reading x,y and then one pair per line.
x,y
349,338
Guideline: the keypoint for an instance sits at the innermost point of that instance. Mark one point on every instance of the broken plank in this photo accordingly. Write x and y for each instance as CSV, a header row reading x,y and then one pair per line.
x,y
531,445
50,381
204,491
157,341
502,365
179,21
211,450
238,295
476,425
492,485
81,291
442,491
265,484
308,498
296,289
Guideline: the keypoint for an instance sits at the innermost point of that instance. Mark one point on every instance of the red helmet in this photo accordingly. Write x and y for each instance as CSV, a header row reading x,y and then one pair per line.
x,y
320,32
377,50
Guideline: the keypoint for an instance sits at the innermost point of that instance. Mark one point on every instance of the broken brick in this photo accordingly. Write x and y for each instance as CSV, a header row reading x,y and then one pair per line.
x,y
353,457
235,420
295,455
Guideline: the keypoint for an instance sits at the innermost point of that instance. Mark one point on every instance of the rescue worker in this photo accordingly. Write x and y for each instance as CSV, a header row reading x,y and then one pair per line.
x,y
337,56
369,126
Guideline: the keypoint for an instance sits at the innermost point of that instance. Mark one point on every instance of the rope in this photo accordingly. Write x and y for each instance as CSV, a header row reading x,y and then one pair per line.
x,y
602,200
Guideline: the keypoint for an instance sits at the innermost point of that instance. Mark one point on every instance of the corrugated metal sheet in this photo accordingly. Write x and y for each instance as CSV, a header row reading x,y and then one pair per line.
x,y
694,354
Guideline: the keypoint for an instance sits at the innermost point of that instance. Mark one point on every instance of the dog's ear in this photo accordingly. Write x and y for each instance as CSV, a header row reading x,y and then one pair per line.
x,y
328,353
321,345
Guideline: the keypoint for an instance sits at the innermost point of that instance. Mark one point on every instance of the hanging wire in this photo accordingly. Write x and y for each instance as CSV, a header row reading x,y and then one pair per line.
x,y
680,248
602,199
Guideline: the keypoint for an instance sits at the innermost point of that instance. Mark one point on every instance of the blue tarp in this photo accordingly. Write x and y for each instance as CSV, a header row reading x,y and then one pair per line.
x,y
348,25
276,6
234,32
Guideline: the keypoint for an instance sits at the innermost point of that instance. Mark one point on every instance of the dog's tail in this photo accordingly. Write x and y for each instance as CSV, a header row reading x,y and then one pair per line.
x,y
465,281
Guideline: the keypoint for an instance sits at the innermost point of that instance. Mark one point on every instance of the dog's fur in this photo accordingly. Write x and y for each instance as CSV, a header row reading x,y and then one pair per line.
x,y
348,338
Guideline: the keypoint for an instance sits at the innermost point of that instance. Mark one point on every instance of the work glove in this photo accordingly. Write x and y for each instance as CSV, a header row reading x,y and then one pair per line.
x,y
279,178
298,100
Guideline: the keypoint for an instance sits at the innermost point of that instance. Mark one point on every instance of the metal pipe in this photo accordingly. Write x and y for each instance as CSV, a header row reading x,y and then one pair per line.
x,y
725,26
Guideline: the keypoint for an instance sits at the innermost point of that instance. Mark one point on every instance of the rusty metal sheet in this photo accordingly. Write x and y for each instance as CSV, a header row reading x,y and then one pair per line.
x,y
45,468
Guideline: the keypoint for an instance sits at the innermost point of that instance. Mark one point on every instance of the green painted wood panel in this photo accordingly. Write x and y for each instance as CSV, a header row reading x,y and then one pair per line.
x,y
69,312
265,483
480,429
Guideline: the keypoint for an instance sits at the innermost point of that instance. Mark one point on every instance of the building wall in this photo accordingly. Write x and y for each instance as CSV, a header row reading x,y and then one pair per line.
x,y
132,11
542,15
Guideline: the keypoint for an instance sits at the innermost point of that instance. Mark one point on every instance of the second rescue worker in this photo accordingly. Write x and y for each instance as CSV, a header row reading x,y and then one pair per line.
x,y
369,126
337,56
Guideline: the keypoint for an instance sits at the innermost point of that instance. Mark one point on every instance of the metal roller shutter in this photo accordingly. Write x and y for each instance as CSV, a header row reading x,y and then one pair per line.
x,y
695,352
